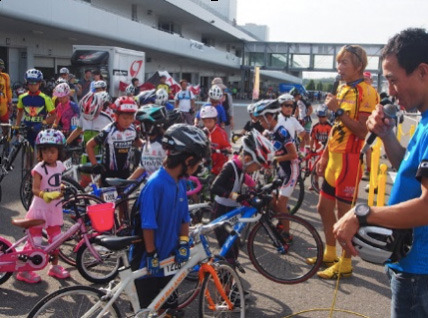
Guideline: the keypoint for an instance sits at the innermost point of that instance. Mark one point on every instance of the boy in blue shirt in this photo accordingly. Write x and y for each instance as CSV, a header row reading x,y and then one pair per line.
x,y
164,208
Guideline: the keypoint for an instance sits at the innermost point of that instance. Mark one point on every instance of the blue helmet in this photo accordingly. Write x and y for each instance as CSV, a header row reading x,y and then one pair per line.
x,y
33,75
146,97
322,110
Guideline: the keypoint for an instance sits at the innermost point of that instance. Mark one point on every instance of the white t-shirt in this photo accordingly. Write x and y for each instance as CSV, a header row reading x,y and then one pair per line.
x,y
291,124
184,100
152,156
302,109
95,125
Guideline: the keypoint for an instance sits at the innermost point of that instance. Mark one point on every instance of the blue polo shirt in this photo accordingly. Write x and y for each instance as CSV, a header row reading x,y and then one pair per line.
x,y
407,187
163,208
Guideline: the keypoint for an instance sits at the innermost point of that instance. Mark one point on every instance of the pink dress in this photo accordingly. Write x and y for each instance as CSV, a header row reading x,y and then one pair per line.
x,y
51,181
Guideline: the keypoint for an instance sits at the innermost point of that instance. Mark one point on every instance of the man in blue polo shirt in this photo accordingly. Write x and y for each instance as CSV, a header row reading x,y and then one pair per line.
x,y
164,208
405,66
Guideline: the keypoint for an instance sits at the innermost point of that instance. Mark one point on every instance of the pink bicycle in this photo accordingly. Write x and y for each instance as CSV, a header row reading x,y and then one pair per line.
x,y
14,258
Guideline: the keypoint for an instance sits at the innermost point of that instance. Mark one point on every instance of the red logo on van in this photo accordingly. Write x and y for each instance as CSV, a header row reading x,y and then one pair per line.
x,y
135,68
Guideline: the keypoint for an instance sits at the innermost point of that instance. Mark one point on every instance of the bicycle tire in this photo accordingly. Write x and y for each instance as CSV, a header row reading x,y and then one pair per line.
x,y
296,198
67,249
26,154
4,276
95,271
232,286
289,267
71,302
316,182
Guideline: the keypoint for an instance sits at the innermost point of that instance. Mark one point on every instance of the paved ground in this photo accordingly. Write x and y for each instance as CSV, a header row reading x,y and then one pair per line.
x,y
366,292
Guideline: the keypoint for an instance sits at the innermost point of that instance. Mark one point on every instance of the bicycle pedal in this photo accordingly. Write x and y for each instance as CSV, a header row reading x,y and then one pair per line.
x,y
239,267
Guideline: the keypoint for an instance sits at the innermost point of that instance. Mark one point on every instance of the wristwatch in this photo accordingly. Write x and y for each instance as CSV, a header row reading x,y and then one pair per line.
x,y
339,112
362,211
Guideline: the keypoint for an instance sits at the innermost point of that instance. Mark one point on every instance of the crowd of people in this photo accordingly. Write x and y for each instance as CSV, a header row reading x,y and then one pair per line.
x,y
176,139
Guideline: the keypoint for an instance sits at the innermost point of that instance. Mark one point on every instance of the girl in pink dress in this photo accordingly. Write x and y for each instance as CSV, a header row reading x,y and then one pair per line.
x,y
47,192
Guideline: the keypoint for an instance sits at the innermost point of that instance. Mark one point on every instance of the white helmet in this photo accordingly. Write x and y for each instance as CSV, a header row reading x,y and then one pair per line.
x,y
215,92
130,89
100,84
161,96
105,97
285,98
90,106
61,90
64,70
250,109
208,112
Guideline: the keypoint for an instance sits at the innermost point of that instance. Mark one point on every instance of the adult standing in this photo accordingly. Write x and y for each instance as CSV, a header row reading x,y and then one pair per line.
x,y
353,104
85,83
136,83
227,103
5,96
405,66
185,102
303,113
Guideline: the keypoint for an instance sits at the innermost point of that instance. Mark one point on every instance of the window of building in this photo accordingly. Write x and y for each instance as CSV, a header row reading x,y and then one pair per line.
x,y
169,27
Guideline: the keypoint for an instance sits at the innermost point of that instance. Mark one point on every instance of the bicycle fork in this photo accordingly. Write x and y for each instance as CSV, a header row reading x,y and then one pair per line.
x,y
277,241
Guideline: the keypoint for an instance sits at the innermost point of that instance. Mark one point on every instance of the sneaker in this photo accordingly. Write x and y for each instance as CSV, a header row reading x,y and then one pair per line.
x,y
234,296
58,272
325,263
288,238
28,277
366,176
367,189
333,272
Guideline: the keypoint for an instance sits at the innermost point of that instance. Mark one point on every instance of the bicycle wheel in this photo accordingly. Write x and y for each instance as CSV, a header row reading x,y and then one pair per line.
x,y
212,304
26,159
284,261
316,181
72,302
67,250
4,276
296,198
187,292
97,271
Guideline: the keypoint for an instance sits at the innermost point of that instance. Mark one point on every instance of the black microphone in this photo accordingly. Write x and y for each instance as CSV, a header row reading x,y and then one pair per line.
x,y
336,84
390,111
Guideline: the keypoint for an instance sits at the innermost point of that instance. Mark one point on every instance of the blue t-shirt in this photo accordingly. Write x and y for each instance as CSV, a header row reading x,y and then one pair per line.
x,y
221,117
407,187
163,208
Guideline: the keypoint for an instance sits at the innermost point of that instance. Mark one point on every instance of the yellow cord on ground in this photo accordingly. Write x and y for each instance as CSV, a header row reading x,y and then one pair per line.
x,y
332,309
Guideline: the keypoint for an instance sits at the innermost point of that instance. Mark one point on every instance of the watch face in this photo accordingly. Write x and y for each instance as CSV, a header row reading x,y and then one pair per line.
x,y
362,209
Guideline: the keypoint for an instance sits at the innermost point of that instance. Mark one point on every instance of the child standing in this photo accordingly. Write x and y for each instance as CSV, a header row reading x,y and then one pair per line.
x,y
164,208
67,111
285,154
47,190
220,146
256,152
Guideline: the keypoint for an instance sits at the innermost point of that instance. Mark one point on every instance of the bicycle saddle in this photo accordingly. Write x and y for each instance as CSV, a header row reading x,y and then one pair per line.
x,y
26,223
115,243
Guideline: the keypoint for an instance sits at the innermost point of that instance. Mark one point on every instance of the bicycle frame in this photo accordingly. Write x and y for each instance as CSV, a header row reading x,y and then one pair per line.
x,y
198,253
10,262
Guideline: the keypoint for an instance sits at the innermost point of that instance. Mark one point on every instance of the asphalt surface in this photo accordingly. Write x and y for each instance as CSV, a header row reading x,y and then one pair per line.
x,y
366,292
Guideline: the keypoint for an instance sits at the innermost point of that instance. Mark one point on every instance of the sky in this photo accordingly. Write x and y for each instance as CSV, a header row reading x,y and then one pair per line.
x,y
334,21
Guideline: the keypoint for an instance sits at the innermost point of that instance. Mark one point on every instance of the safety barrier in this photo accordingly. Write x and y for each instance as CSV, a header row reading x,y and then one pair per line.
x,y
401,134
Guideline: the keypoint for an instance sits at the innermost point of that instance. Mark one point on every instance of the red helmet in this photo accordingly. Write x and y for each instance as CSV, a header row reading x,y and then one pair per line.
x,y
126,104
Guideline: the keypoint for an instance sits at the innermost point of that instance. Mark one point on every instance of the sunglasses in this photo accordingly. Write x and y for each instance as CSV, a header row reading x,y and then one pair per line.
x,y
352,50
287,105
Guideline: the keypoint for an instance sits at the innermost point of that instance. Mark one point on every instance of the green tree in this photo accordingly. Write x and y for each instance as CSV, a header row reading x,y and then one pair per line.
x,y
311,85
320,86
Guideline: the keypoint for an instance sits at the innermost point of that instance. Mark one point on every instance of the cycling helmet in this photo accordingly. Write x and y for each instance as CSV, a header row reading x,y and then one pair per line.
x,y
130,90
185,139
151,113
100,84
90,106
322,110
64,70
161,96
294,92
33,76
250,109
215,92
105,97
146,97
126,104
266,106
173,117
285,98
208,112
378,244
60,80
258,147
61,90
50,137
1,64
